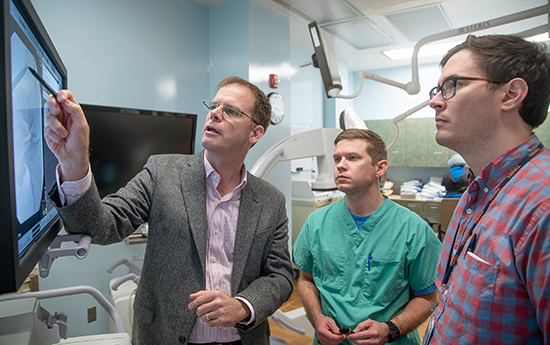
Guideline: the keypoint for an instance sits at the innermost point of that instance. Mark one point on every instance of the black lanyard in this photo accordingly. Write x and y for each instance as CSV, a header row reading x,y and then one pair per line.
x,y
451,265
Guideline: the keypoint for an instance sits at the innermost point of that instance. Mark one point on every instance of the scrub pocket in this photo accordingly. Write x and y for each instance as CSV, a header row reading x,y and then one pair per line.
x,y
383,280
330,270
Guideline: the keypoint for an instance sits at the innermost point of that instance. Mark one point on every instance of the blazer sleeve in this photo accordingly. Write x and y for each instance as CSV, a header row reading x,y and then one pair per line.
x,y
116,216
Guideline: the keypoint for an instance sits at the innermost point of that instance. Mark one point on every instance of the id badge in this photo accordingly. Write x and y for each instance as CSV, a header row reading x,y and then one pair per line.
x,y
429,330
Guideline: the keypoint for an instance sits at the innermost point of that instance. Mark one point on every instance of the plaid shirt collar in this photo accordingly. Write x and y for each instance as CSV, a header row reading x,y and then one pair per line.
x,y
498,169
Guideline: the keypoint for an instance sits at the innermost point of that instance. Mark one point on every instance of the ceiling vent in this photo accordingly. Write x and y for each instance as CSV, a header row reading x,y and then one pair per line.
x,y
322,11
360,33
341,19
419,22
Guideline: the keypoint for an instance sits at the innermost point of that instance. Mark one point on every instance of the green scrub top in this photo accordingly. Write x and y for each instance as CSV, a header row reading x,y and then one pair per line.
x,y
370,272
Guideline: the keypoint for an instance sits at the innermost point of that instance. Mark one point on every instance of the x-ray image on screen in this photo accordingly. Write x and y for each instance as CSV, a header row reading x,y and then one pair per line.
x,y
32,159
32,70
27,132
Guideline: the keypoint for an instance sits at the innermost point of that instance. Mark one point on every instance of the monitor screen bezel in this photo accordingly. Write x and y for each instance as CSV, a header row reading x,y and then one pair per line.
x,y
13,268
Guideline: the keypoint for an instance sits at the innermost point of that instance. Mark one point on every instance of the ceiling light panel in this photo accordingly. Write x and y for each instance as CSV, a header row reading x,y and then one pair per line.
x,y
361,33
419,22
322,11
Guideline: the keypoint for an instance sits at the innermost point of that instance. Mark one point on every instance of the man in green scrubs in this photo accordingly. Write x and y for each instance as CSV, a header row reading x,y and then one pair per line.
x,y
366,263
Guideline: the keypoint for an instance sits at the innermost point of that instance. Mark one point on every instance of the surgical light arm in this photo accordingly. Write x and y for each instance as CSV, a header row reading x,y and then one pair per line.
x,y
401,117
315,143
413,87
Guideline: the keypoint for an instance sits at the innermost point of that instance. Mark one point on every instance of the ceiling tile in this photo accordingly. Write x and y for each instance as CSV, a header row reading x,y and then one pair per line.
x,y
419,22
361,33
322,11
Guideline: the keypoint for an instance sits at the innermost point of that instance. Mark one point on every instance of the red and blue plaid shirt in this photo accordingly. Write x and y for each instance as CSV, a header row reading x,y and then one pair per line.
x,y
500,292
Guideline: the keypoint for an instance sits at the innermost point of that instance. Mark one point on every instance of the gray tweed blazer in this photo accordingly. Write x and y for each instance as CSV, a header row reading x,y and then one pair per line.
x,y
170,194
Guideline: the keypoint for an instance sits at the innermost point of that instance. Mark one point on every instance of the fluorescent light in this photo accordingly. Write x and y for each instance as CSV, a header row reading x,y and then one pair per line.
x,y
399,54
539,38
427,50
441,48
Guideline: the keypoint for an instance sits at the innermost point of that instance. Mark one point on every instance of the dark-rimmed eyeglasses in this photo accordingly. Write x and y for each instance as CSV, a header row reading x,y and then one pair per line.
x,y
228,110
448,87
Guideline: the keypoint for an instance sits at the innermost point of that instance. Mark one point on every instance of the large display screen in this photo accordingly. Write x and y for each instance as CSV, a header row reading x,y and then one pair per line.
x,y
31,67
34,164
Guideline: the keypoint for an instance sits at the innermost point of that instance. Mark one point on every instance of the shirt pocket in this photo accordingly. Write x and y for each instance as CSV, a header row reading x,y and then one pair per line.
x,y
329,270
384,280
473,292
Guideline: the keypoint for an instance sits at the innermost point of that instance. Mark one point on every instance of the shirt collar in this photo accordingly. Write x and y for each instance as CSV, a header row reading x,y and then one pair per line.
x,y
499,168
212,175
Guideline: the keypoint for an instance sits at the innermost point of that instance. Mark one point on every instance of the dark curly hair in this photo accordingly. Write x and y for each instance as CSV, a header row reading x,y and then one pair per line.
x,y
505,57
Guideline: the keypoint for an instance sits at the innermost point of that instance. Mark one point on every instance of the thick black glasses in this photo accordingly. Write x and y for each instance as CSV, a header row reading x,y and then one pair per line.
x,y
228,110
448,87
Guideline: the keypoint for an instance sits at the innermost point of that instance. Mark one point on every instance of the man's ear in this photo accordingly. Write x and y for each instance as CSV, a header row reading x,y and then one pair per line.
x,y
381,168
257,132
515,92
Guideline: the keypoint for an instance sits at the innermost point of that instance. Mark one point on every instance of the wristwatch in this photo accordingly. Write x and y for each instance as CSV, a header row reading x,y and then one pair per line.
x,y
394,332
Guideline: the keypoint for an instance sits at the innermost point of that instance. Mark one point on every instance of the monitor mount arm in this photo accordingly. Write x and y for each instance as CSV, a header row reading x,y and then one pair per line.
x,y
80,251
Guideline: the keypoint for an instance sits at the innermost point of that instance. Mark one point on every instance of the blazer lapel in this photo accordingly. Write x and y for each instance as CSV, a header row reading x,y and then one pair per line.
x,y
194,195
249,213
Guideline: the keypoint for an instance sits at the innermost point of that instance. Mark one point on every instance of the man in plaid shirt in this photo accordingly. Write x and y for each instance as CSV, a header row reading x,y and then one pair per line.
x,y
494,266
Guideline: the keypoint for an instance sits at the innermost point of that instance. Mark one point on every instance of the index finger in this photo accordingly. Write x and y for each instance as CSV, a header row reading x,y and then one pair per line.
x,y
55,102
199,298
326,334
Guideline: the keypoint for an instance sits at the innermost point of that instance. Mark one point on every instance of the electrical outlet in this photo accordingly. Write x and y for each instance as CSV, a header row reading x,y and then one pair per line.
x,y
92,314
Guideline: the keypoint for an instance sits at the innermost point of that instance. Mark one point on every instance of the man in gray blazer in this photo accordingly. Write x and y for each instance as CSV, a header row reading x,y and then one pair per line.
x,y
217,263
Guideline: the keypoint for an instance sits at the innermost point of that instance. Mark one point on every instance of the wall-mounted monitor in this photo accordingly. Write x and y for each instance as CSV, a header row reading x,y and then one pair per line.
x,y
27,166
122,139
323,58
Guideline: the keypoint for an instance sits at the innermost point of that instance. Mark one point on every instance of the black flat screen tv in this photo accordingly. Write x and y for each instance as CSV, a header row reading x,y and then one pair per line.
x,y
27,166
122,139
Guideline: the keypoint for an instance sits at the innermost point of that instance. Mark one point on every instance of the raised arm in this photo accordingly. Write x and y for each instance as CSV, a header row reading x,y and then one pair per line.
x,y
67,135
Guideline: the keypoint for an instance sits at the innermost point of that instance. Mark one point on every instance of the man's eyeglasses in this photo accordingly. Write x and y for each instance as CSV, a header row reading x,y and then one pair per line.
x,y
228,110
448,87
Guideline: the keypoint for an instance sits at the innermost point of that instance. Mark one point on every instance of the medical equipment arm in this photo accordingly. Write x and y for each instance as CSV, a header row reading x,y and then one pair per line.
x,y
315,143
413,87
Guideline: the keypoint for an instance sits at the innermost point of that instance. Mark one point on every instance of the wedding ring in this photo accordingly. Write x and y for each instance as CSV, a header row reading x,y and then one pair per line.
x,y
207,317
